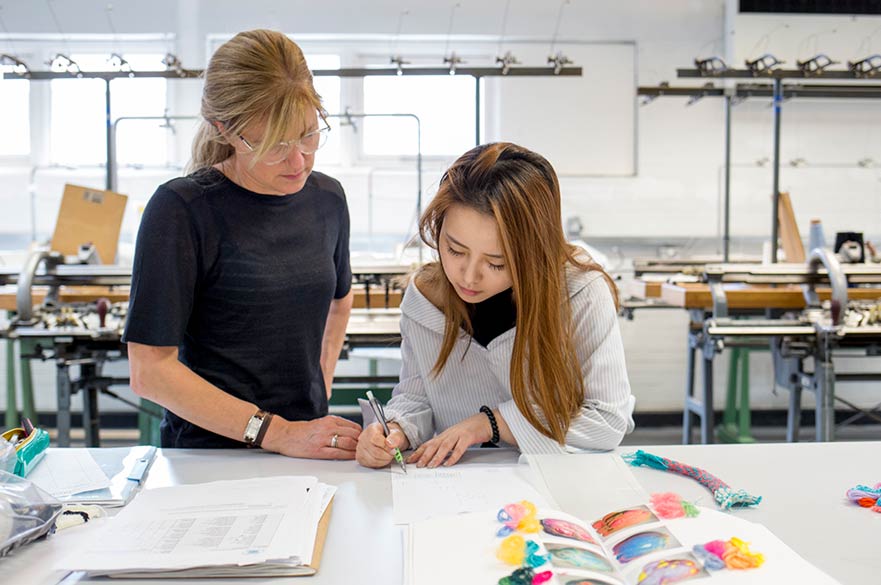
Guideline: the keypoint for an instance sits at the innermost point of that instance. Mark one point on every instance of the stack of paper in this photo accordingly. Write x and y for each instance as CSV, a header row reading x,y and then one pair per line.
x,y
271,526
106,477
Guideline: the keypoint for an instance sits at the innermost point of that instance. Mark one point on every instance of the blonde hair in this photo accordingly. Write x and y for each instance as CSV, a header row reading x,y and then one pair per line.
x,y
520,190
257,76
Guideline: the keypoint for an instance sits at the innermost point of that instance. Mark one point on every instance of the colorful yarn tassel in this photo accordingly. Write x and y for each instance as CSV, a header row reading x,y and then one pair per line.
x,y
867,497
723,494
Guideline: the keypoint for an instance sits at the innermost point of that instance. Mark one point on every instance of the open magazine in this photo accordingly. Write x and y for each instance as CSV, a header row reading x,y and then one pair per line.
x,y
629,546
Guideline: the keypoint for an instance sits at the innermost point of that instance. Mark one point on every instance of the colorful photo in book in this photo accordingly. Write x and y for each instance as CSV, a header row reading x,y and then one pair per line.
x,y
577,558
566,529
567,578
621,519
668,570
586,581
642,543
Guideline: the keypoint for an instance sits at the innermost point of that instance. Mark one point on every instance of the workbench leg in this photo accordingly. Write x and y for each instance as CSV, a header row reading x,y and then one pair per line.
x,y
62,381
11,400
793,419
707,422
825,396
689,393
744,412
27,348
91,423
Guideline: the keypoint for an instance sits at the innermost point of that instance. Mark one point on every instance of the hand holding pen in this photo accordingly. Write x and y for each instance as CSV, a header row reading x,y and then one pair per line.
x,y
379,444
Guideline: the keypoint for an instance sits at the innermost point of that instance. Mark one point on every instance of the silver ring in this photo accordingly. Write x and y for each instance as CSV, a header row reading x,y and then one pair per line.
x,y
334,441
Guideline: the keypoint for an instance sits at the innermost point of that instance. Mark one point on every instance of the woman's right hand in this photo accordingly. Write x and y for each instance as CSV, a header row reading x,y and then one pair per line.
x,y
375,449
313,439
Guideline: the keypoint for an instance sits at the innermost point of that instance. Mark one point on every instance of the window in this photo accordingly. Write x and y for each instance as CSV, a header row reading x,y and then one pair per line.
x,y
78,124
15,123
444,104
329,89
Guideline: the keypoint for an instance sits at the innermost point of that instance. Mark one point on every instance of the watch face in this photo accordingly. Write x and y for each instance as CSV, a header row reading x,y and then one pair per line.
x,y
252,429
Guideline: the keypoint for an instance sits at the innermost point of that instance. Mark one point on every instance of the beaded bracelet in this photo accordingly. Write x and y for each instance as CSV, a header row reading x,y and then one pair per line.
x,y
492,422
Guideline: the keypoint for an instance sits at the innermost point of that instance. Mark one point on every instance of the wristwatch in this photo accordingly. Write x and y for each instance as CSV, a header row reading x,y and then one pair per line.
x,y
256,428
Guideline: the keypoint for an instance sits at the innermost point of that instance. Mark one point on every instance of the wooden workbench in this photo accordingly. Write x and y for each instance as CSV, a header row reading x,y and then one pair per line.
x,y
697,296
120,294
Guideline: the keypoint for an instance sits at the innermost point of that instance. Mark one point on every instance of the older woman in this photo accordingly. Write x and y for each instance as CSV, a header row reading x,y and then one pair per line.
x,y
241,285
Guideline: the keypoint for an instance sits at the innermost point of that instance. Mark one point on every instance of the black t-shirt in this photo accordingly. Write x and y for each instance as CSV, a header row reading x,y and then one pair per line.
x,y
241,283
493,316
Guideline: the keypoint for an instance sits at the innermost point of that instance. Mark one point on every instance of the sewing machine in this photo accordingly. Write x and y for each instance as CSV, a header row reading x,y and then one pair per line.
x,y
798,319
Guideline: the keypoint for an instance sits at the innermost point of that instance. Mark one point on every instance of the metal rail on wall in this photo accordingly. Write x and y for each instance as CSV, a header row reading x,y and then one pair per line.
x,y
767,80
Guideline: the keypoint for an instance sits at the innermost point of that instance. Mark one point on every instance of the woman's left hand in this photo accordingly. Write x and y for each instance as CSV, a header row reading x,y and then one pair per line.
x,y
449,446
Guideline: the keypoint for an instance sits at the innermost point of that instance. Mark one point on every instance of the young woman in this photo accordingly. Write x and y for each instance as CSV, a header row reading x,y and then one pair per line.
x,y
512,335
241,282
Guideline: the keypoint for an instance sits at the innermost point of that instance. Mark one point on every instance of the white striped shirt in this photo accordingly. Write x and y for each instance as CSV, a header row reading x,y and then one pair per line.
x,y
424,405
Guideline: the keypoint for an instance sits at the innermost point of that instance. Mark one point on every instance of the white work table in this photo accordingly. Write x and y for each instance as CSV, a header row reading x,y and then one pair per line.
x,y
802,486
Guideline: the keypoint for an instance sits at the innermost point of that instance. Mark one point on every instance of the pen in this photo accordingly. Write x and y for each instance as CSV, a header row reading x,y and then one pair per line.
x,y
380,416
28,426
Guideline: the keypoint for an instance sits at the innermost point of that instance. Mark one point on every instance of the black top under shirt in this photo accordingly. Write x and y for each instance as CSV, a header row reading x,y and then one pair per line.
x,y
493,316
242,284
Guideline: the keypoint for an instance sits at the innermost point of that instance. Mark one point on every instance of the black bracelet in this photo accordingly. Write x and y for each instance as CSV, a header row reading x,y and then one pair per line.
x,y
492,422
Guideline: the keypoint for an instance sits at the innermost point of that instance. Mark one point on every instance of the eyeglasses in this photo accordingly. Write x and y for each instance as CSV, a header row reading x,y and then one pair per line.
x,y
307,144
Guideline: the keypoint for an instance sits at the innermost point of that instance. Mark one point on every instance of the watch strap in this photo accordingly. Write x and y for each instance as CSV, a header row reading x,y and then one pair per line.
x,y
264,426
253,428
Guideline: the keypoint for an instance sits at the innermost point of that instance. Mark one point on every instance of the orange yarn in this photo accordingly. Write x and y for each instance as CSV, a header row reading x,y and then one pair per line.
x,y
738,556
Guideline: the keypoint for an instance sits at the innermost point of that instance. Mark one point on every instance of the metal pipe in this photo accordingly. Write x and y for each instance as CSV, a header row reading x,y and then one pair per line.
x,y
114,174
837,279
343,72
108,133
476,111
23,300
726,237
775,212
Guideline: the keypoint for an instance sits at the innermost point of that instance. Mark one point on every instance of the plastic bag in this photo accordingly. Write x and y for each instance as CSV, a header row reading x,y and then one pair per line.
x,y
26,512
8,458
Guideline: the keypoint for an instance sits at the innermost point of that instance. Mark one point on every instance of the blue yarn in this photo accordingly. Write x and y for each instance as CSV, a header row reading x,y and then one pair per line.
x,y
711,562
641,458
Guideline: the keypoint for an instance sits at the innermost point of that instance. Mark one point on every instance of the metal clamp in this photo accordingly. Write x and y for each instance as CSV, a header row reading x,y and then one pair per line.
x,y
815,65
711,66
763,65
868,67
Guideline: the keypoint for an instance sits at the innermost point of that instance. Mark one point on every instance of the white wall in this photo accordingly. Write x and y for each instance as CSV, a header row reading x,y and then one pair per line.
x,y
676,190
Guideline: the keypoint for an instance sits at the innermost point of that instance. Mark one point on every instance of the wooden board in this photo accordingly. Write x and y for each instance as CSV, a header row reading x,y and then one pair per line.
x,y
697,296
69,294
641,289
89,216
790,238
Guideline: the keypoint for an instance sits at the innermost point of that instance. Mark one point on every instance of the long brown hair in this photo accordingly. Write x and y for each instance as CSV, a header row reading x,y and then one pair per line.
x,y
258,75
520,190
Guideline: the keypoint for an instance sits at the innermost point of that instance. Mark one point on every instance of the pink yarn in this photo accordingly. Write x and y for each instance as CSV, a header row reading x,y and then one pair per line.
x,y
540,578
716,547
668,505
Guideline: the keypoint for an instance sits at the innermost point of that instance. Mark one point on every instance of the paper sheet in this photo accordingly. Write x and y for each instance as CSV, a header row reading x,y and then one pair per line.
x,y
426,493
225,523
63,473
